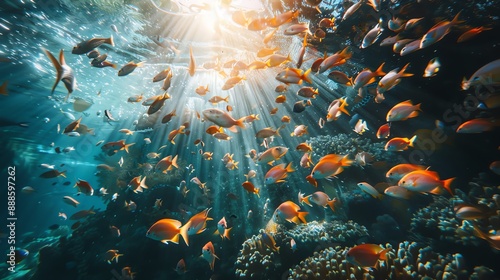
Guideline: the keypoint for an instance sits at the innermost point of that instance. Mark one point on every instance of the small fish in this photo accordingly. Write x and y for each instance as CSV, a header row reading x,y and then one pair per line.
x,y
71,201
223,119
366,255
28,190
84,187
208,253
307,92
360,127
249,187
129,68
477,126
432,68
111,255
278,173
180,268
168,230
53,174
64,73
398,144
88,45
384,131
293,245
202,90
469,34
438,31
62,215
391,79
290,211
120,162
369,189
162,75
398,192
425,181
403,111
115,232
300,106
192,62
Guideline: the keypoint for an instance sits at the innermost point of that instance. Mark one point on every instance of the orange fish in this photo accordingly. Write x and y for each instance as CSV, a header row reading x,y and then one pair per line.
x,y
278,173
290,211
137,185
494,240
293,76
478,126
249,187
398,144
304,147
425,181
222,118
367,77
198,223
397,172
84,187
469,34
166,230
336,108
111,255
272,154
403,111
192,62
366,255
208,253
330,166
487,75
168,117
384,131
222,228
438,31
280,99
306,161
319,198
336,59
166,163
391,79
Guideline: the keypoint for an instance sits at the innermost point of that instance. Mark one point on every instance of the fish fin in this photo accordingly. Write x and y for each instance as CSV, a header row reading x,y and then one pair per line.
x,y
174,162
455,19
383,254
306,201
343,109
233,129
141,64
175,239
110,41
306,77
447,183
63,173
302,216
57,65
331,203
412,115
289,168
402,71
226,233
183,231
128,145
240,122
412,140
142,184
379,71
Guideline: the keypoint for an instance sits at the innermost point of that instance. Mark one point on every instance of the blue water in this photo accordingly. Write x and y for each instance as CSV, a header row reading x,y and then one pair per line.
x,y
30,116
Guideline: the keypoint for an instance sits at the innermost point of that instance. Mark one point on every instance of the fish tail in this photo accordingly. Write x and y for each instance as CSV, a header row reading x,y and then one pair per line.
x,y
257,191
306,200
306,77
226,233
174,162
455,19
447,184
331,203
128,145
3,88
402,72
379,71
240,122
184,232
343,109
110,41
383,254
63,173
412,140
302,216
143,183
57,65
117,256
140,64
346,53
346,161
289,168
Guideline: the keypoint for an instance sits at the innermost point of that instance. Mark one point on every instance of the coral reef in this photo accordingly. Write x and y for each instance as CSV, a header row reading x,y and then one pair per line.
x,y
409,261
256,260
345,144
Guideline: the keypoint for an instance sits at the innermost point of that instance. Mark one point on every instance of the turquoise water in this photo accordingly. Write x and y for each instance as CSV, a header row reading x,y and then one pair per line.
x,y
160,34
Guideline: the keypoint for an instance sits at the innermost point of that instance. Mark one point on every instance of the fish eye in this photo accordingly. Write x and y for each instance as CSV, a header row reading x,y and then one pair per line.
x,y
404,182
